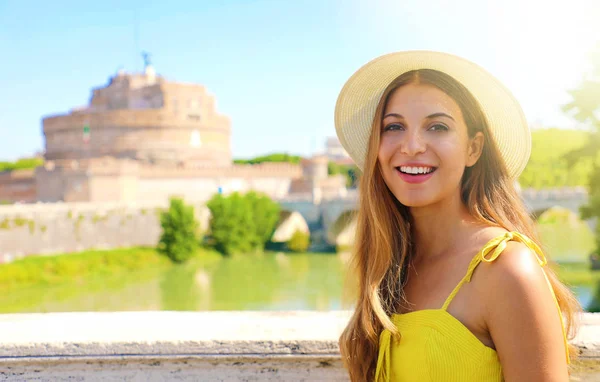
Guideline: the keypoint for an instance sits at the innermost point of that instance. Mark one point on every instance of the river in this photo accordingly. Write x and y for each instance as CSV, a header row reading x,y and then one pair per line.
x,y
273,281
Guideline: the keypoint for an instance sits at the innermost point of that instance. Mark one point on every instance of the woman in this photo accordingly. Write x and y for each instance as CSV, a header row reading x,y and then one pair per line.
x,y
451,283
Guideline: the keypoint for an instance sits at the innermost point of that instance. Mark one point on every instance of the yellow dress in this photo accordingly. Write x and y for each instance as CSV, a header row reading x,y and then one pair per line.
x,y
435,346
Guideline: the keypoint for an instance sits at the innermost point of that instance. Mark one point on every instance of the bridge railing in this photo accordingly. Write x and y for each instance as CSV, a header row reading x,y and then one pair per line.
x,y
555,193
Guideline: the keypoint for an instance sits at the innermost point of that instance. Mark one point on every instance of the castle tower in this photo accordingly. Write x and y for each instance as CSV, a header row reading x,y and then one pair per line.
x,y
315,169
144,117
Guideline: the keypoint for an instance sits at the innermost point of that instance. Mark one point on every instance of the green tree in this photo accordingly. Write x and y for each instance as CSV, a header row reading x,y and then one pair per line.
x,y
24,163
299,242
242,223
179,239
265,215
585,108
276,157
547,167
349,171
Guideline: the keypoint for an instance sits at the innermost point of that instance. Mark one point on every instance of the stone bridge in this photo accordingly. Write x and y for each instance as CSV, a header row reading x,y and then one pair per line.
x,y
46,228
539,201
330,219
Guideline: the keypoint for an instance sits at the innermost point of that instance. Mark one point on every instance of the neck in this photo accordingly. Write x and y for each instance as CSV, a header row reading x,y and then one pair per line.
x,y
438,227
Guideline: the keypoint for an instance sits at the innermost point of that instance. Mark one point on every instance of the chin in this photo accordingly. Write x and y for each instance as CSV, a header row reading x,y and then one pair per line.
x,y
414,201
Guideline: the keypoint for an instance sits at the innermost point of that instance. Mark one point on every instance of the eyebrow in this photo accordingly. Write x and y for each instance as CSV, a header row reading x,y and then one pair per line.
x,y
434,115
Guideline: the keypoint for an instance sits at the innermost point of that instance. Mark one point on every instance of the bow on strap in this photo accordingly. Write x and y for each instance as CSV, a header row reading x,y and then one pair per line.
x,y
494,248
382,372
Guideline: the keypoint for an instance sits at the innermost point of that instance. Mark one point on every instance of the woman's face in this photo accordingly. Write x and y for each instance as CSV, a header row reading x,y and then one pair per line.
x,y
424,146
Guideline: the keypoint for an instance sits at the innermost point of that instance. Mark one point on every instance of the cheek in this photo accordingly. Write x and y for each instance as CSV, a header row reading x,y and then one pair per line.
x,y
383,152
387,148
453,151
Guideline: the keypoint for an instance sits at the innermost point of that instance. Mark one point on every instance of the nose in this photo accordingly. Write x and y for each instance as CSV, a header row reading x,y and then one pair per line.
x,y
412,143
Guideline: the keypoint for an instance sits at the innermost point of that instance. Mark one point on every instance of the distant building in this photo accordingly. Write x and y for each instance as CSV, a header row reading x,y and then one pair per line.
x,y
145,118
144,138
334,150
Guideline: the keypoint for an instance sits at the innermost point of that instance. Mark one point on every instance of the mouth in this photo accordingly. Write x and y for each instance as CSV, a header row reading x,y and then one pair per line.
x,y
416,171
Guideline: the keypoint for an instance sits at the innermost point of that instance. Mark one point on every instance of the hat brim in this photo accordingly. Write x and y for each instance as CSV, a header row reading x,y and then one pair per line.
x,y
358,100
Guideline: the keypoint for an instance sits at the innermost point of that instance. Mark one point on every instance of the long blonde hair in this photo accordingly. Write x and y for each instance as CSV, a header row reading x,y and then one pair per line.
x,y
383,239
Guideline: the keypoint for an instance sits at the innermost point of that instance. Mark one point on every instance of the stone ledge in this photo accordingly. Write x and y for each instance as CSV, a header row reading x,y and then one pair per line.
x,y
170,333
296,345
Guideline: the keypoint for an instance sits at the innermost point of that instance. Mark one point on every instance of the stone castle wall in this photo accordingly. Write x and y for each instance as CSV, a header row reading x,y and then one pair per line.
x,y
17,186
69,227
120,180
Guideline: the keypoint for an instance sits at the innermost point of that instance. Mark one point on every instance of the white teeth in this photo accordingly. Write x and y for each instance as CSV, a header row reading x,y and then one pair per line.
x,y
416,170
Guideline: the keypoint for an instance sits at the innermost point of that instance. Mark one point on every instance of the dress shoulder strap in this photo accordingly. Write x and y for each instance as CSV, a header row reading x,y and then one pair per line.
x,y
491,251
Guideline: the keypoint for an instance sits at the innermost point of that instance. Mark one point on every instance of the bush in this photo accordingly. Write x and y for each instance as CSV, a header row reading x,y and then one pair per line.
x,y
349,171
276,158
242,223
299,242
179,239
21,164
343,248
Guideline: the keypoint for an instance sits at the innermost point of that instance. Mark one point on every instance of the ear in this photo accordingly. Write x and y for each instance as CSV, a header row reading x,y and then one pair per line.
x,y
474,149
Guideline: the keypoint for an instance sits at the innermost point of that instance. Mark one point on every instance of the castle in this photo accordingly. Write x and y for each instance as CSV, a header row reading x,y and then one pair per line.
x,y
143,138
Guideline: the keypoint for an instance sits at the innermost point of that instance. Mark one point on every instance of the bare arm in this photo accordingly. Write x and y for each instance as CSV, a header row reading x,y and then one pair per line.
x,y
522,318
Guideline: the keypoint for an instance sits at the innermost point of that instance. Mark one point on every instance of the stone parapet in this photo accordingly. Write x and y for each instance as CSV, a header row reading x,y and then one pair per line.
x,y
104,179
50,228
192,346
262,170
555,193
91,207
17,186
17,175
131,118
93,166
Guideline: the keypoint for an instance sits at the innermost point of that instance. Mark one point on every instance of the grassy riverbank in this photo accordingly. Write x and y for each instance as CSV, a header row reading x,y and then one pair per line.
x,y
66,268
578,274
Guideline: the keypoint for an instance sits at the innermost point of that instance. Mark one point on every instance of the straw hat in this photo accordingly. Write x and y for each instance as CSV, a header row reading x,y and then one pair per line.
x,y
356,104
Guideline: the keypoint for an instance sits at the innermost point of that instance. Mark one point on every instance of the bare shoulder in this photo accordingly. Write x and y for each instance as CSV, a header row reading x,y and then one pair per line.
x,y
514,282
521,314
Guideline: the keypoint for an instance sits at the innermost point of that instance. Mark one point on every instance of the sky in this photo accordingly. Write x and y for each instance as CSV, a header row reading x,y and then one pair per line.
x,y
276,67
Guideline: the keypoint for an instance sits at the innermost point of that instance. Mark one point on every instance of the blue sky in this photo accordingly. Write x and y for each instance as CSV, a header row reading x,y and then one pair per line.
x,y
276,67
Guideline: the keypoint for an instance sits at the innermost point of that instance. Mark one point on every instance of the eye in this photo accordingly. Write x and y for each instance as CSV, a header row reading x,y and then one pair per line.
x,y
393,126
438,127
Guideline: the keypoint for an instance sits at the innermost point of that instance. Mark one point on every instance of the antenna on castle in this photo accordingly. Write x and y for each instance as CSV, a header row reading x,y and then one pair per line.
x,y
147,62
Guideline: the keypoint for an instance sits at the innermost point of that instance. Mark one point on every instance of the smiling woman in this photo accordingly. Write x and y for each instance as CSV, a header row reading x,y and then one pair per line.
x,y
452,284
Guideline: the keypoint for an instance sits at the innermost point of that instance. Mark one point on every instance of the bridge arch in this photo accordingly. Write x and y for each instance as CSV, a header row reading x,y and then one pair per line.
x,y
557,213
535,214
343,230
289,222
